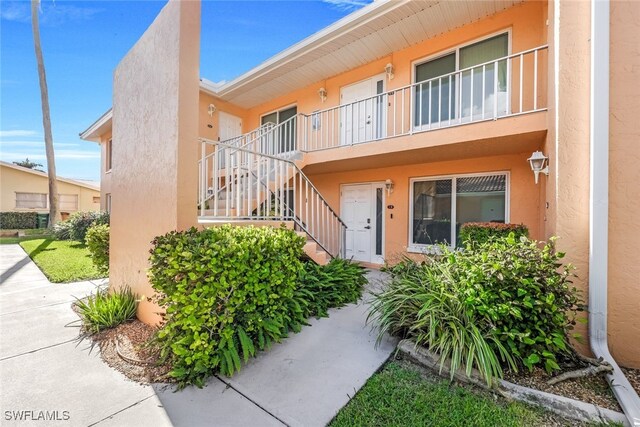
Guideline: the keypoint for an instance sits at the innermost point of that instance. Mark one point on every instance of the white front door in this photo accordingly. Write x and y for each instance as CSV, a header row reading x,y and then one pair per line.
x,y
361,111
230,126
362,212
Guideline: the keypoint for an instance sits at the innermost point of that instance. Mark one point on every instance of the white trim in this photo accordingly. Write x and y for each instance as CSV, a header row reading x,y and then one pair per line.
x,y
278,110
422,248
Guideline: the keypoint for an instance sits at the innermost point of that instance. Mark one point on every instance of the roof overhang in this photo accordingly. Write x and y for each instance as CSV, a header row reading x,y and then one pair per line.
x,y
98,128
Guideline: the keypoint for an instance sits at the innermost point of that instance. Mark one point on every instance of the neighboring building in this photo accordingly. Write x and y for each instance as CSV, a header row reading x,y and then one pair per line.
x,y
27,190
384,132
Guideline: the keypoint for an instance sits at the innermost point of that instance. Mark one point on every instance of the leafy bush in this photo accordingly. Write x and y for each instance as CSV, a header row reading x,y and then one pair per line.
x,y
18,220
524,292
105,309
481,232
336,284
97,240
507,300
426,303
228,292
76,227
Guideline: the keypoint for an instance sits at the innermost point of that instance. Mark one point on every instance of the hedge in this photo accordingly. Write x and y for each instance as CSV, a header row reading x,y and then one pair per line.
x,y
481,232
18,220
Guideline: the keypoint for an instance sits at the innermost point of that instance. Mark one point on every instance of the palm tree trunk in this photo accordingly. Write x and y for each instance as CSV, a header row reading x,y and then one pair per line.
x,y
54,215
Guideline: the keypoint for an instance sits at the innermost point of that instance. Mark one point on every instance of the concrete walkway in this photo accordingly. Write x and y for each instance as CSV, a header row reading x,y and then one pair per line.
x,y
304,381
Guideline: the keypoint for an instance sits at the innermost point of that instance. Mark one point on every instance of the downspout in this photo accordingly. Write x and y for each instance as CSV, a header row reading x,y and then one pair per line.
x,y
599,209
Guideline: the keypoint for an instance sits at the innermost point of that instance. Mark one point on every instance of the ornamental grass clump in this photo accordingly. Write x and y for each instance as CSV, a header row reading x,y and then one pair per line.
x,y
502,304
104,309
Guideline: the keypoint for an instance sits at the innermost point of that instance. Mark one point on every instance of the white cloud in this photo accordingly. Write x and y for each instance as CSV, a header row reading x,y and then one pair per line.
x,y
59,154
34,144
17,133
51,13
347,5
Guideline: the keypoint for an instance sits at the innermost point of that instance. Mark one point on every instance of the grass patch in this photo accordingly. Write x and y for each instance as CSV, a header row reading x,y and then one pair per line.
x,y
61,260
400,396
14,240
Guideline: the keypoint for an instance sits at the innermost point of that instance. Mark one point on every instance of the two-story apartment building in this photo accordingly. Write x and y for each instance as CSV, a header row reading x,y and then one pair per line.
x,y
383,133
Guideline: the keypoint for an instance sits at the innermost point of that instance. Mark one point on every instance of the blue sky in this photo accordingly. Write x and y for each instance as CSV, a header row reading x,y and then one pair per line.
x,y
83,41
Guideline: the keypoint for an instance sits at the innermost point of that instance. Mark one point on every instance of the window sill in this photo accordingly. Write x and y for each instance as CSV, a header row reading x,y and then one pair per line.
x,y
107,172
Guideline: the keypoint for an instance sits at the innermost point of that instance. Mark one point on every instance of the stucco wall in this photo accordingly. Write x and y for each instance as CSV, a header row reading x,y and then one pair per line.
x,y
155,118
12,181
524,202
105,175
624,184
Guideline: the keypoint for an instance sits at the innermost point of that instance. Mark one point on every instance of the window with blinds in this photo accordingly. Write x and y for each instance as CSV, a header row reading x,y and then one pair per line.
x,y
31,201
68,202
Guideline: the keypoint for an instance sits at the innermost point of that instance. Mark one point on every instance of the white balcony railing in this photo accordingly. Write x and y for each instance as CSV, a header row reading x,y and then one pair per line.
x,y
508,86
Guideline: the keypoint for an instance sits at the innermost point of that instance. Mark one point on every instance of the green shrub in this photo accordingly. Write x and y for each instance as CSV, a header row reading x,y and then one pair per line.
x,y
481,232
507,296
97,240
228,292
76,227
336,284
425,302
525,293
18,220
105,309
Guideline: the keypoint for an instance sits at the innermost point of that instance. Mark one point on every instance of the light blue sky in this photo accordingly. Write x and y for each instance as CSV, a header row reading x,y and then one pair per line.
x,y
83,41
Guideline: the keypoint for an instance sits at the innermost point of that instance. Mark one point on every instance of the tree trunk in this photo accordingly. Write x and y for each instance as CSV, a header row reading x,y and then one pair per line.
x,y
54,215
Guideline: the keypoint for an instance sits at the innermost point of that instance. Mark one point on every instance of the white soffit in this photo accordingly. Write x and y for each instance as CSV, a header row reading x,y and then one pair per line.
x,y
371,33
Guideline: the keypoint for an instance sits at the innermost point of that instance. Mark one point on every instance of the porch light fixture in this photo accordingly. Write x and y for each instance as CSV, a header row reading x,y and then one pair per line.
x,y
389,186
538,162
211,110
322,92
389,70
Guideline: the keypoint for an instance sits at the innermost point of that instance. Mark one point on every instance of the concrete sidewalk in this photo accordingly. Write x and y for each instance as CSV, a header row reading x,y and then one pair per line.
x,y
303,381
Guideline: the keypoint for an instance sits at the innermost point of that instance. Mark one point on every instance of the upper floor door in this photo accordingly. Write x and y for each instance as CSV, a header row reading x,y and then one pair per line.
x,y
230,126
363,111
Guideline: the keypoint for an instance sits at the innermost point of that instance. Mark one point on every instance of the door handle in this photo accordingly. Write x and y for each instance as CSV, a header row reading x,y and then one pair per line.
x,y
368,227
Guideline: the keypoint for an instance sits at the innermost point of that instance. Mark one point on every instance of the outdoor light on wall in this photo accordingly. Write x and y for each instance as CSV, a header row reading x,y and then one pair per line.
x,y
538,162
389,186
322,92
211,110
389,70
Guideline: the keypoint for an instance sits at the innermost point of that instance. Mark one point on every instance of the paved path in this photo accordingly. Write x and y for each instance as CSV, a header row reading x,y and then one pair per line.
x,y
303,381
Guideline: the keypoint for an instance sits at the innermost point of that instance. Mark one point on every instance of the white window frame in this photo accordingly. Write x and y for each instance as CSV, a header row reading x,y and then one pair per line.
x,y
278,110
422,248
46,200
108,156
107,202
456,49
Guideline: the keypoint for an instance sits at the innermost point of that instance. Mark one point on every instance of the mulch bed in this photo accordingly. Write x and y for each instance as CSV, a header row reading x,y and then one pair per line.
x,y
125,349
633,375
593,389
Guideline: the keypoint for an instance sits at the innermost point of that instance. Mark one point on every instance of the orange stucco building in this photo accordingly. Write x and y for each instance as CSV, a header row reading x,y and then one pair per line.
x,y
384,132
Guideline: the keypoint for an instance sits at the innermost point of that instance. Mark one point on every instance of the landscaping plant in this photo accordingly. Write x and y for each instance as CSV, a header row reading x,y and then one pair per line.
x,y
76,227
482,232
97,240
336,284
18,220
105,309
507,301
230,292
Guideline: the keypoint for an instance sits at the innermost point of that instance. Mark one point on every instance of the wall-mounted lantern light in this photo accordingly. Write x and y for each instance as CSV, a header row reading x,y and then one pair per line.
x,y
211,110
388,69
322,93
538,162
389,186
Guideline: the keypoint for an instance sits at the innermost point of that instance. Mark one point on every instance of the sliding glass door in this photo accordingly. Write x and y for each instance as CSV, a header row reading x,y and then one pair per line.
x,y
283,140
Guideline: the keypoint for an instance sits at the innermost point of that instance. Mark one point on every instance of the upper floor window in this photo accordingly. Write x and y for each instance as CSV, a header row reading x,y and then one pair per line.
x,y
107,204
285,140
444,94
108,156
31,200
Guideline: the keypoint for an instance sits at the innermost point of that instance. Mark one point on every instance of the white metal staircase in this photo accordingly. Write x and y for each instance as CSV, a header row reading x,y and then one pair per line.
x,y
259,181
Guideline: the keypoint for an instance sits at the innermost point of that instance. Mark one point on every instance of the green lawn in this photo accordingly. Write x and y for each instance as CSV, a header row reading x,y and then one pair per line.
x,y
400,396
13,240
61,260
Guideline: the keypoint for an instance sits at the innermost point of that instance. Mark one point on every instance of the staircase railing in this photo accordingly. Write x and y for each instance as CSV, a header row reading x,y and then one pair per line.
x,y
253,185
